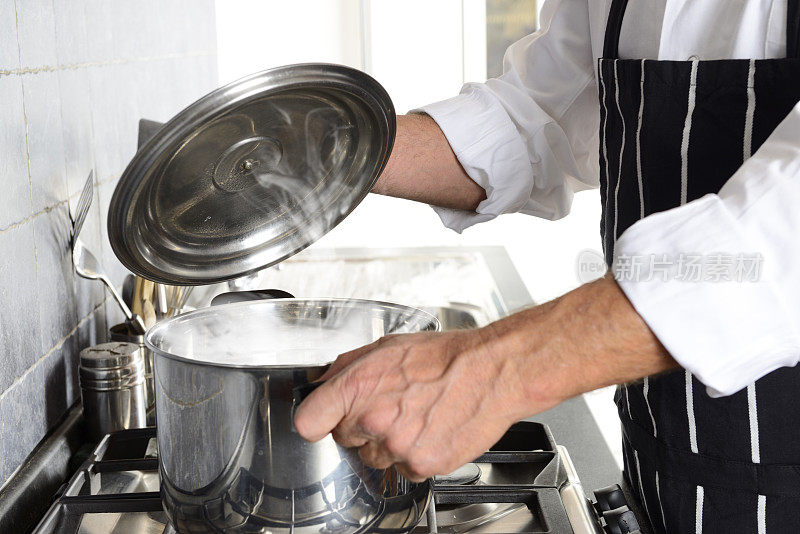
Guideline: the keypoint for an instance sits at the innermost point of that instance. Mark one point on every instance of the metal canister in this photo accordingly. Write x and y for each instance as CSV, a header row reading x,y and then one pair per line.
x,y
123,332
112,388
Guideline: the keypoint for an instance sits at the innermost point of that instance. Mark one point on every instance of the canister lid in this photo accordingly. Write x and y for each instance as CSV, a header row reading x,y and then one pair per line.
x,y
111,355
251,174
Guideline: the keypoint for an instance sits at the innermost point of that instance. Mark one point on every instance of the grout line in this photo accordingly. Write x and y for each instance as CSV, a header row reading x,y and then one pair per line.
x,y
55,347
106,180
24,115
50,208
87,64
32,216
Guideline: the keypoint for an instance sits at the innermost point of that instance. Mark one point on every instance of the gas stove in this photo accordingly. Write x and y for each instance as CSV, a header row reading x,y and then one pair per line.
x,y
524,483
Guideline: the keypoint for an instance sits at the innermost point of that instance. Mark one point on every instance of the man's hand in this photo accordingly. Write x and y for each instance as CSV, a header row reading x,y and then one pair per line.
x,y
431,402
428,402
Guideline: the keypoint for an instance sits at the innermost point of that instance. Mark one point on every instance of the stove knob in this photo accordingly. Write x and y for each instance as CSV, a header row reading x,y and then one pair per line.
x,y
621,521
609,498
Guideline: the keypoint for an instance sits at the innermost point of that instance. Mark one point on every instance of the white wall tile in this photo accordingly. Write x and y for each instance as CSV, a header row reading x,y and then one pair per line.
x,y
71,37
76,128
100,38
22,415
15,203
36,33
20,334
104,122
45,142
55,279
9,48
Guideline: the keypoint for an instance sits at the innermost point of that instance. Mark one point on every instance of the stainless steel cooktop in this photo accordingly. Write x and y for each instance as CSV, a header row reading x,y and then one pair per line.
x,y
525,483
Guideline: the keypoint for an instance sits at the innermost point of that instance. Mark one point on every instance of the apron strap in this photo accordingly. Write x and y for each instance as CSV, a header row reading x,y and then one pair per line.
x,y
613,29
617,12
793,29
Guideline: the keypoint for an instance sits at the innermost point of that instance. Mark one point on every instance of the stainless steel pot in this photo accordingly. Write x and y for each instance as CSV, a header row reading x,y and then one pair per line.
x,y
228,381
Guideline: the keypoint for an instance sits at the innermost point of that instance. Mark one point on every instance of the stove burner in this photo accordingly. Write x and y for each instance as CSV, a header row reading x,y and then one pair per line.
x,y
465,475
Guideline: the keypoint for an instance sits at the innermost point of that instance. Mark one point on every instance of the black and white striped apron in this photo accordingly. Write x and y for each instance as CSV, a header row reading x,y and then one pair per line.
x,y
671,132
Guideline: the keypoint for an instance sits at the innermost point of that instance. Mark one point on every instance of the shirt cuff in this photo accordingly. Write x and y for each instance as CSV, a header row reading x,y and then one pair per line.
x,y
491,151
699,285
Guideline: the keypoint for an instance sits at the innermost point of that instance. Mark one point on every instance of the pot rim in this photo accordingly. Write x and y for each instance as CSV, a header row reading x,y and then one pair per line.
x,y
158,352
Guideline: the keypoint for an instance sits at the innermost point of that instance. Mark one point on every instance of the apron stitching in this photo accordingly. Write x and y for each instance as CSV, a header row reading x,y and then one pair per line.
x,y
605,139
661,506
628,402
621,155
752,409
752,404
698,516
690,413
687,128
639,154
751,107
646,390
641,485
762,514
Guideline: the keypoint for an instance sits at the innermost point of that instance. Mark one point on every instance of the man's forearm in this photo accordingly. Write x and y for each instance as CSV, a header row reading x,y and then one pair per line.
x,y
423,168
589,338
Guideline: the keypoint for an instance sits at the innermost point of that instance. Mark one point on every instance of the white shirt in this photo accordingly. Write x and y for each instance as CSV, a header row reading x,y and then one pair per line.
x,y
530,139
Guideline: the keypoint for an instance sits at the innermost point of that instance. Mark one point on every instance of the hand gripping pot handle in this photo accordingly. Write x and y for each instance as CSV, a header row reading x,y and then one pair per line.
x,y
300,393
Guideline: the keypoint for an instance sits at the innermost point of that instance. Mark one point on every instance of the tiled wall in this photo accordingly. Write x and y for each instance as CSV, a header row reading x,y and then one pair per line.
x,y
75,77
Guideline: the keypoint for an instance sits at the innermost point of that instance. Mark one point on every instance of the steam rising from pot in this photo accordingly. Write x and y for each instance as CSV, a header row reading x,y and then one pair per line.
x,y
292,171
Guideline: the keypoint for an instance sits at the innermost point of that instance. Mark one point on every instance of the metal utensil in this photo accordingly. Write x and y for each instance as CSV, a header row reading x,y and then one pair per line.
x,y
127,289
86,265
82,208
178,298
161,301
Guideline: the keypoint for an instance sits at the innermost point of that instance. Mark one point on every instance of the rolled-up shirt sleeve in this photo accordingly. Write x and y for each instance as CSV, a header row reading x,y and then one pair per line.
x,y
727,331
529,137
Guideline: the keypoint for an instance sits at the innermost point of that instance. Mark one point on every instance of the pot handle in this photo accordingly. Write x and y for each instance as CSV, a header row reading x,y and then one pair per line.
x,y
299,394
304,390
255,294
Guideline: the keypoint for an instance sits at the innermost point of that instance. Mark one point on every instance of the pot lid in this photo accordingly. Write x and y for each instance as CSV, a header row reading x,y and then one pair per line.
x,y
251,174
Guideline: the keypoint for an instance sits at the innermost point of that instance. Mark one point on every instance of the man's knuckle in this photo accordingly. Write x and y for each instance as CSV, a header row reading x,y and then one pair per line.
x,y
417,459
395,446
375,422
